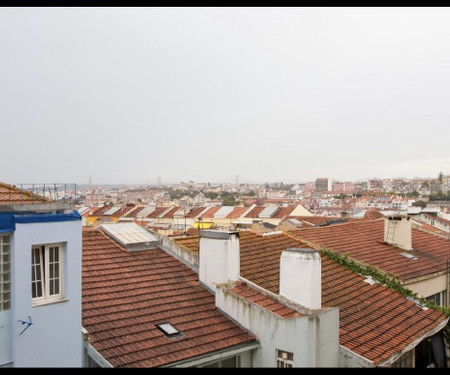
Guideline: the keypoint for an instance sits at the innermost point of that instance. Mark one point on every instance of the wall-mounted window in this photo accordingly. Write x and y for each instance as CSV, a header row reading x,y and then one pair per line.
x,y
232,362
47,273
438,299
285,359
5,272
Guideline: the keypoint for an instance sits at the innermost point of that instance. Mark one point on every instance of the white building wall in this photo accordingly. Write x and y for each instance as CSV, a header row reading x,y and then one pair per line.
x,y
314,339
348,358
428,287
54,339
5,339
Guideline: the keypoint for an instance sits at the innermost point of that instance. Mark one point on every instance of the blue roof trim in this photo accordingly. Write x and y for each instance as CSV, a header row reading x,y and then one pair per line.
x,y
7,223
46,218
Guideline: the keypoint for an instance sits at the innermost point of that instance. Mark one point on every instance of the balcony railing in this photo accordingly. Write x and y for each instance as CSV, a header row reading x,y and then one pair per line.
x,y
38,193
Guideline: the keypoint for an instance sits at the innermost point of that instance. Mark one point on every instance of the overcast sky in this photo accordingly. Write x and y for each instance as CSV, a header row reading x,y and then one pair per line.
x,y
127,95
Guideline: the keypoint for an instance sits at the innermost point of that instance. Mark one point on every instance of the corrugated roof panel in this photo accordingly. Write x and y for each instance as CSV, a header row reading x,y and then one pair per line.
x,y
146,211
268,212
223,211
82,210
112,211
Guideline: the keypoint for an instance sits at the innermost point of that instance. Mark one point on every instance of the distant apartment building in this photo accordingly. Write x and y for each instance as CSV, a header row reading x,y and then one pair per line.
x,y
323,184
435,187
343,186
362,185
376,184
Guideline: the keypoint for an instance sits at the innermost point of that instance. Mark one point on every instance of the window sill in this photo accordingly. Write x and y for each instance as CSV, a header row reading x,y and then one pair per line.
x,y
48,302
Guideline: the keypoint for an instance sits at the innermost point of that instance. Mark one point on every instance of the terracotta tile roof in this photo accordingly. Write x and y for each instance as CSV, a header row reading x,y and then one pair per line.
x,y
364,241
236,213
373,214
266,302
190,242
255,212
170,213
99,211
134,212
314,220
157,211
427,227
125,294
283,212
192,231
375,322
10,194
119,213
195,212
278,200
208,214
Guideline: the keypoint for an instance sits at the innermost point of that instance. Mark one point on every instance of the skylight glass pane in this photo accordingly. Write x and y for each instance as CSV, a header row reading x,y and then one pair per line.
x,y
168,329
128,233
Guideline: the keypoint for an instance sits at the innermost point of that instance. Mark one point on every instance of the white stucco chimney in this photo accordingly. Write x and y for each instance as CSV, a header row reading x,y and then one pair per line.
x,y
397,230
301,277
218,257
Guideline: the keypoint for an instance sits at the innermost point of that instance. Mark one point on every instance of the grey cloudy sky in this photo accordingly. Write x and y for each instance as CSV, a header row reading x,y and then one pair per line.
x,y
127,95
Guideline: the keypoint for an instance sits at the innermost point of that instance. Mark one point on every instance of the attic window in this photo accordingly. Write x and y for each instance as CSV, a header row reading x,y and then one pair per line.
x,y
168,329
409,256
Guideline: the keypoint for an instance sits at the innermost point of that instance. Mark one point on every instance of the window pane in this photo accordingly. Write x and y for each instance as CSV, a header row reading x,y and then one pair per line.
x,y
229,362
5,273
54,270
46,272
36,273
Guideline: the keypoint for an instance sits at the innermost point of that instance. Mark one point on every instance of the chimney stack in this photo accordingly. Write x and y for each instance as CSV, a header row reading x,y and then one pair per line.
x,y
219,260
301,277
397,230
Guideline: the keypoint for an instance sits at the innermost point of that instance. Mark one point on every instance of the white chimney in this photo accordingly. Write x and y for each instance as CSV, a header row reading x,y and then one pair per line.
x,y
301,277
397,230
218,257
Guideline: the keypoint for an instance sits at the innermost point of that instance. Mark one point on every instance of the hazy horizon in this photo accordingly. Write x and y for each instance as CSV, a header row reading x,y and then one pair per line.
x,y
289,94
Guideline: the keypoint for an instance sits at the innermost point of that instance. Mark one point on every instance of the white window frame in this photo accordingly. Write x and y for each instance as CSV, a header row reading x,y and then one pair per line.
x,y
43,278
283,360
438,299
5,272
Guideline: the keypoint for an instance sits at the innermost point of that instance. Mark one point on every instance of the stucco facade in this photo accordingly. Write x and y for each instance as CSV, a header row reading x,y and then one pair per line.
x,y
53,338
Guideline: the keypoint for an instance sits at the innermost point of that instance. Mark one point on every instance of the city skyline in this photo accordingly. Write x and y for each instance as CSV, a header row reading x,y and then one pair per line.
x,y
127,95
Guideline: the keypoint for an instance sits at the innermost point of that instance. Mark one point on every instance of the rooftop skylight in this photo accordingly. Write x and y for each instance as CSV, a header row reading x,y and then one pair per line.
x,y
409,256
168,329
130,235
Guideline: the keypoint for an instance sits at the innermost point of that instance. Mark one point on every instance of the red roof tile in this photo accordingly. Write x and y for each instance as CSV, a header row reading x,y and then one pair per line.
x,y
236,212
375,322
10,194
266,302
125,294
364,241
255,212
208,214
194,212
